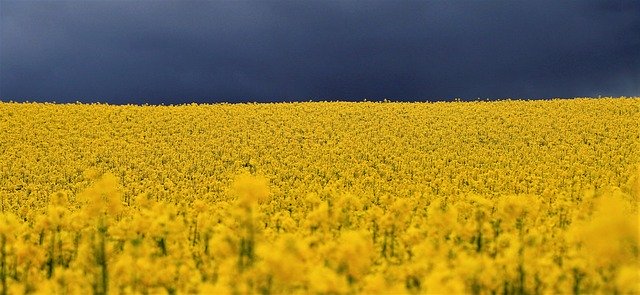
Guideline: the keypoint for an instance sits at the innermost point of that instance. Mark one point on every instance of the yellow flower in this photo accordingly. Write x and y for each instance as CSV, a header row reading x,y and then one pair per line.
x,y
612,234
466,197
285,260
355,253
9,224
250,189
325,280
628,279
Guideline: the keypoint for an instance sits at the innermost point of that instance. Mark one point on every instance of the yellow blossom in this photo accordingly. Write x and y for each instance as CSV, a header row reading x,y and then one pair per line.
x,y
250,189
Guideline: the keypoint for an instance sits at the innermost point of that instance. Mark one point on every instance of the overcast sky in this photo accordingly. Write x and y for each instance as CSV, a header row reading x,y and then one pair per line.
x,y
210,51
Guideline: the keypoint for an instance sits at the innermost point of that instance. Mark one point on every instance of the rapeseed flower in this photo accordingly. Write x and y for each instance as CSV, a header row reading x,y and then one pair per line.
x,y
480,197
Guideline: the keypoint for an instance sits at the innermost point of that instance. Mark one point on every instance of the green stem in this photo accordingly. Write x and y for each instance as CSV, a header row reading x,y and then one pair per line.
x,y
101,259
3,264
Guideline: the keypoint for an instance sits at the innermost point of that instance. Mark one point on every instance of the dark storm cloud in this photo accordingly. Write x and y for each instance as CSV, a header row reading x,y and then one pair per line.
x,y
173,52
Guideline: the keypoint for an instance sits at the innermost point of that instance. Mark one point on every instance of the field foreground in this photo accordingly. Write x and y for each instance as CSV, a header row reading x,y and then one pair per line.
x,y
483,197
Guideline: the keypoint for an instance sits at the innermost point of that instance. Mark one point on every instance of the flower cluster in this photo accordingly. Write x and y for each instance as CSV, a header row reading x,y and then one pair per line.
x,y
331,197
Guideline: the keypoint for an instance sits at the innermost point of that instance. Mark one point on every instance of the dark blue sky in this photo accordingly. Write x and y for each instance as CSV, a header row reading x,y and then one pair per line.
x,y
210,51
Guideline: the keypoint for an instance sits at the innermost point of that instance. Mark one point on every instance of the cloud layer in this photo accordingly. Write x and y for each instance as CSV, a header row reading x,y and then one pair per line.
x,y
210,51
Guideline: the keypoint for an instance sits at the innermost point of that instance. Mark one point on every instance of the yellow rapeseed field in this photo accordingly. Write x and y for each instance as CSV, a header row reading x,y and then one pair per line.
x,y
503,197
